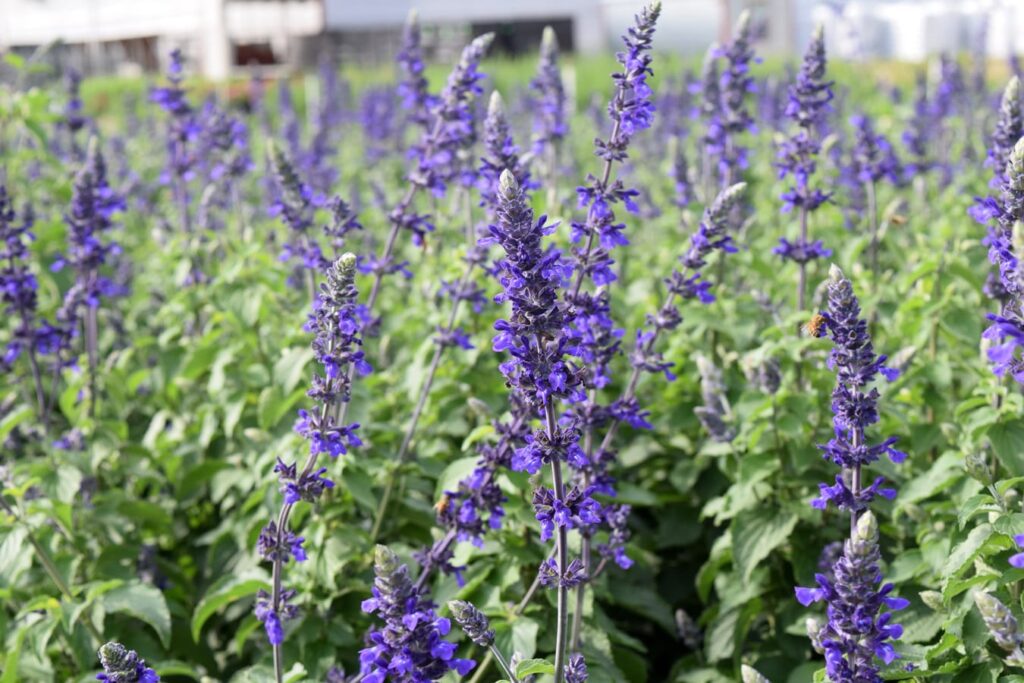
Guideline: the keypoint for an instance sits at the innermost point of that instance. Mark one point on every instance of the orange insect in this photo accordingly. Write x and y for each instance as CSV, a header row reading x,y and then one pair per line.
x,y
815,327
441,506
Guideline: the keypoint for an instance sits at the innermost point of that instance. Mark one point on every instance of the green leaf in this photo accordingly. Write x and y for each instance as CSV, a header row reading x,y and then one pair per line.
x,y
1007,439
531,667
455,472
11,660
524,636
965,552
229,589
290,368
755,534
13,419
144,602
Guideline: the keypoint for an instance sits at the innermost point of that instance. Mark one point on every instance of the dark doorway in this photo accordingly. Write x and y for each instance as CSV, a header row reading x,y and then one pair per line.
x,y
515,38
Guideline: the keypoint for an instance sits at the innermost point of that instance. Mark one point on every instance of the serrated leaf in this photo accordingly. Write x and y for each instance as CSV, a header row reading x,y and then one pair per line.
x,y
965,551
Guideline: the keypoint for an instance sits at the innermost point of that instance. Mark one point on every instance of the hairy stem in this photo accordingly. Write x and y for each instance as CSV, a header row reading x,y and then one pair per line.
x,y
562,546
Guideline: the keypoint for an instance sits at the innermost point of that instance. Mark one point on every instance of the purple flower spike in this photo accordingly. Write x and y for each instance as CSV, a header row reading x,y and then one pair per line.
x,y
1006,334
410,647
858,630
854,406
121,665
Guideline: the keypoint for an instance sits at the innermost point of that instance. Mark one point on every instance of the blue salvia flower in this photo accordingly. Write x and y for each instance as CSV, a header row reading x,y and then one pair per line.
x,y
715,414
182,130
809,102
549,119
437,154
378,121
410,647
873,157
949,101
685,283
413,87
679,171
1002,625
344,220
438,160
1009,129
986,210
1007,330
631,110
535,338
318,162
93,207
502,154
18,285
121,665
950,91
32,335
477,503
531,277
859,628
74,118
576,669
337,346
854,405
710,109
736,85
473,622
919,130
223,145
334,95
289,128
296,204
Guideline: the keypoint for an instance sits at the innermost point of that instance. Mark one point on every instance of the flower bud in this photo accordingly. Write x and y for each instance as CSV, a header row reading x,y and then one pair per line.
x,y
473,622
933,599
978,469
1000,621
752,675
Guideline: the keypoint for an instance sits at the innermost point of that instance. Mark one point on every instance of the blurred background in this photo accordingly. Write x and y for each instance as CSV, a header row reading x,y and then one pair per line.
x,y
230,38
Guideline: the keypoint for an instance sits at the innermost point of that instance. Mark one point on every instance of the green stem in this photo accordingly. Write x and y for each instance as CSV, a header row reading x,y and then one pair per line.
x,y
51,568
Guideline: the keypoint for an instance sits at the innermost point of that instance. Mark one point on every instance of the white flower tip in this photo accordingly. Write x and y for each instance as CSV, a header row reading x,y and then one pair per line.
x,y
496,107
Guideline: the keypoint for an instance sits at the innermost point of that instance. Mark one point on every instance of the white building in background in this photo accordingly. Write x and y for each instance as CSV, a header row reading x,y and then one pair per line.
x,y
131,35
220,36
366,31
913,30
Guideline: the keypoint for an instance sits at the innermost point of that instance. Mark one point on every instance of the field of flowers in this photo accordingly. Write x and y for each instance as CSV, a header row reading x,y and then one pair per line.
x,y
676,375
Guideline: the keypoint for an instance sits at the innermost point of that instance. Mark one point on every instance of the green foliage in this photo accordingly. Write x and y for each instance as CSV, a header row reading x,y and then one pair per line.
x,y
199,388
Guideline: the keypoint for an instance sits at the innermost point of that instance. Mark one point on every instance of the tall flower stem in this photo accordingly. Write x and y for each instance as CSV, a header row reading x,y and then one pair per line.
x,y
282,526
801,291
33,362
92,352
421,402
606,175
561,548
337,345
873,221
517,611
50,567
